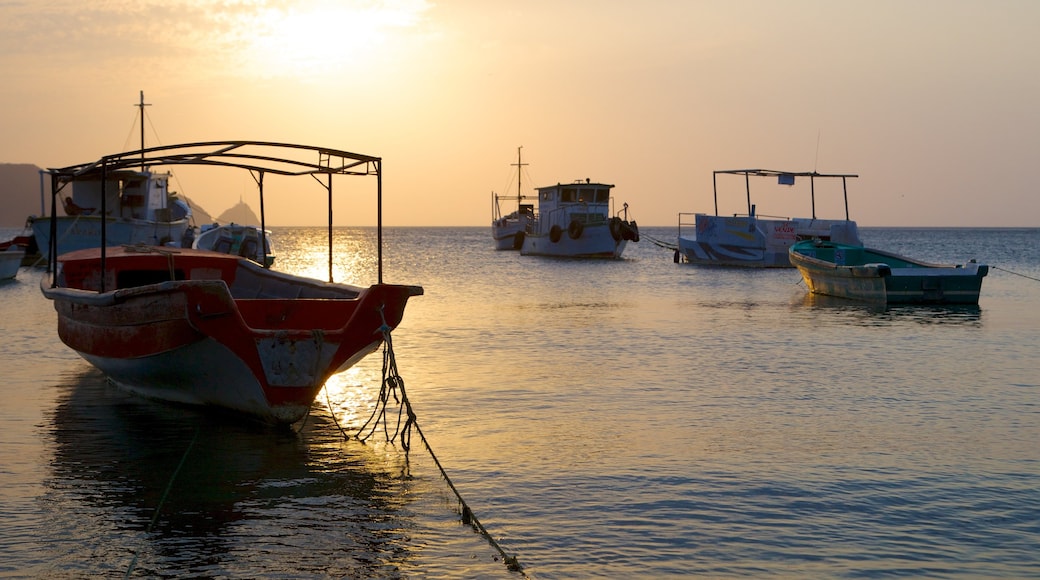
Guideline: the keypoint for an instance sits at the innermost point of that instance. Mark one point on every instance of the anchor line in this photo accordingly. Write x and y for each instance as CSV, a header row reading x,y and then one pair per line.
x,y
1015,273
660,243
162,500
393,386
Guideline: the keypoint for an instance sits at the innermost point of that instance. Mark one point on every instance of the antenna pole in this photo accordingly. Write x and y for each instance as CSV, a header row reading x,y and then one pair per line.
x,y
519,170
141,105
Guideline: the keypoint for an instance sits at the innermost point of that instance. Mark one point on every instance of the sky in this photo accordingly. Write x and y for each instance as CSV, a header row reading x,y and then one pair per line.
x,y
935,104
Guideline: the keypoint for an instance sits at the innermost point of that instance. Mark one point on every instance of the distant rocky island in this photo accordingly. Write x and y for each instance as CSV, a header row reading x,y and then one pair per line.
x,y
20,192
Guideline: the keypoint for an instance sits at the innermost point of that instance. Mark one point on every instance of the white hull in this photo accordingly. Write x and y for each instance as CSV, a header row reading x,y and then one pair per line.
x,y
757,243
595,242
508,235
207,373
82,232
10,261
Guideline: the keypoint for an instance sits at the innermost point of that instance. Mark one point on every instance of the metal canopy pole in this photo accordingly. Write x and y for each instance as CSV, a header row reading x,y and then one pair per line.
x,y
379,220
263,220
715,190
329,188
104,219
747,188
845,191
812,193
52,249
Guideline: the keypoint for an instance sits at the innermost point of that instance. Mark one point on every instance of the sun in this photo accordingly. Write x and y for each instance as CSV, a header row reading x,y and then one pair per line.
x,y
308,38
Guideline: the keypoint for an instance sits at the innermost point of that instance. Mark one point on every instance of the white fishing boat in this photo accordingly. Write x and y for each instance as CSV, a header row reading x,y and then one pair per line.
x,y
250,242
760,241
127,206
575,220
508,230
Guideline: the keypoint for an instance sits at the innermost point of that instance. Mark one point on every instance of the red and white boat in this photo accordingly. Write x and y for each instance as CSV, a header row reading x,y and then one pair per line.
x,y
208,328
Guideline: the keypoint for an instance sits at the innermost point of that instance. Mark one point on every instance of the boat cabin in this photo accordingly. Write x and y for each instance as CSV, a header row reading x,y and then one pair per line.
x,y
139,195
585,202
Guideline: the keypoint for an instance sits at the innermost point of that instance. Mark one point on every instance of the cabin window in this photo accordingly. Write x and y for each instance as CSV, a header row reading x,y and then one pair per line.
x,y
547,195
569,195
602,195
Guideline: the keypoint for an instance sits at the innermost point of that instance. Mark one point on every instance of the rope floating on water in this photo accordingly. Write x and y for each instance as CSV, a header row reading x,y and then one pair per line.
x,y
392,383
162,500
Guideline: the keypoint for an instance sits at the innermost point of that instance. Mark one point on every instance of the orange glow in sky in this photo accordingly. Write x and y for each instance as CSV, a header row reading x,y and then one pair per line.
x,y
932,102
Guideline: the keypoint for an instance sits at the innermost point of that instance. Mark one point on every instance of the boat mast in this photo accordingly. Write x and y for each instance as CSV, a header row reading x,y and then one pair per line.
x,y
519,171
141,105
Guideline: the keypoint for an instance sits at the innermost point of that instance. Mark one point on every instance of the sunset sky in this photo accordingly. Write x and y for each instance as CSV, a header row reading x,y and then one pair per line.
x,y
934,103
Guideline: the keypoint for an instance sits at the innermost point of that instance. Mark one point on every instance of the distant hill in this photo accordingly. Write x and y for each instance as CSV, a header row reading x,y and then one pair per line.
x,y
20,198
240,213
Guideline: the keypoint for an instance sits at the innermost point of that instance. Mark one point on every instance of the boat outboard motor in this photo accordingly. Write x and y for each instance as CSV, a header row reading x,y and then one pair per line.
x,y
188,238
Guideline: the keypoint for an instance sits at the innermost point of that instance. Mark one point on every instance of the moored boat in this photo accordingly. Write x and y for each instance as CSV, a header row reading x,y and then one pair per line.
x,y
131,205
867,274
759,241
574,220
215,329
247,241
508,230
11,261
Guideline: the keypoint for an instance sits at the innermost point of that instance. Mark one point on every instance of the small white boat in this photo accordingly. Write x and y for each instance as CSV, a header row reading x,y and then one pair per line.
x,y
575,220
508,230
757,241
131,205
247,241
871,275
11,261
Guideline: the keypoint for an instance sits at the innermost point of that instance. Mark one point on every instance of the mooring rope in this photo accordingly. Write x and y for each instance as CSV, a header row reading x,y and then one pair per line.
x,y
162,500
661,243
391,384
1015,273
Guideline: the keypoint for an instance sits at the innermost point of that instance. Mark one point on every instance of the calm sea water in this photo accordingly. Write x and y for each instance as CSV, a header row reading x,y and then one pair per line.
x,y
633,418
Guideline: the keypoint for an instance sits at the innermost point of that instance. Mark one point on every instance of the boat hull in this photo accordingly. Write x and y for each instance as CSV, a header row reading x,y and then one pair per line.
x,y
218,337
752,242
84,231
508,234
595,241
876,276
10,261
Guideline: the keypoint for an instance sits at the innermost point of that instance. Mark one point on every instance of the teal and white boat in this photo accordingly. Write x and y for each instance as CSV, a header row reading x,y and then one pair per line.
x,y
861,273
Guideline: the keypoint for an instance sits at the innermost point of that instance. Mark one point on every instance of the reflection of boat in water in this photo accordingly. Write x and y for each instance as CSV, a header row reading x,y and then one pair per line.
x,y
206,328
247,241
872,275
875,314
754,240
224,498
508,230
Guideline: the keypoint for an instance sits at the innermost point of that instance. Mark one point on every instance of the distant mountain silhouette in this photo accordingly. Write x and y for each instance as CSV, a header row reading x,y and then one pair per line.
x,y
240,213
20,198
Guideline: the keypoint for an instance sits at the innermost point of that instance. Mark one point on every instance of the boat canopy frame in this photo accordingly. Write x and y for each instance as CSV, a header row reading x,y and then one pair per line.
x,y
258,157
781,175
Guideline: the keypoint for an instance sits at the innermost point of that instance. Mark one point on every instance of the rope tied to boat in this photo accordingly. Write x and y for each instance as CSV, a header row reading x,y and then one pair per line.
x,y
393,386
142,248
1015,273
